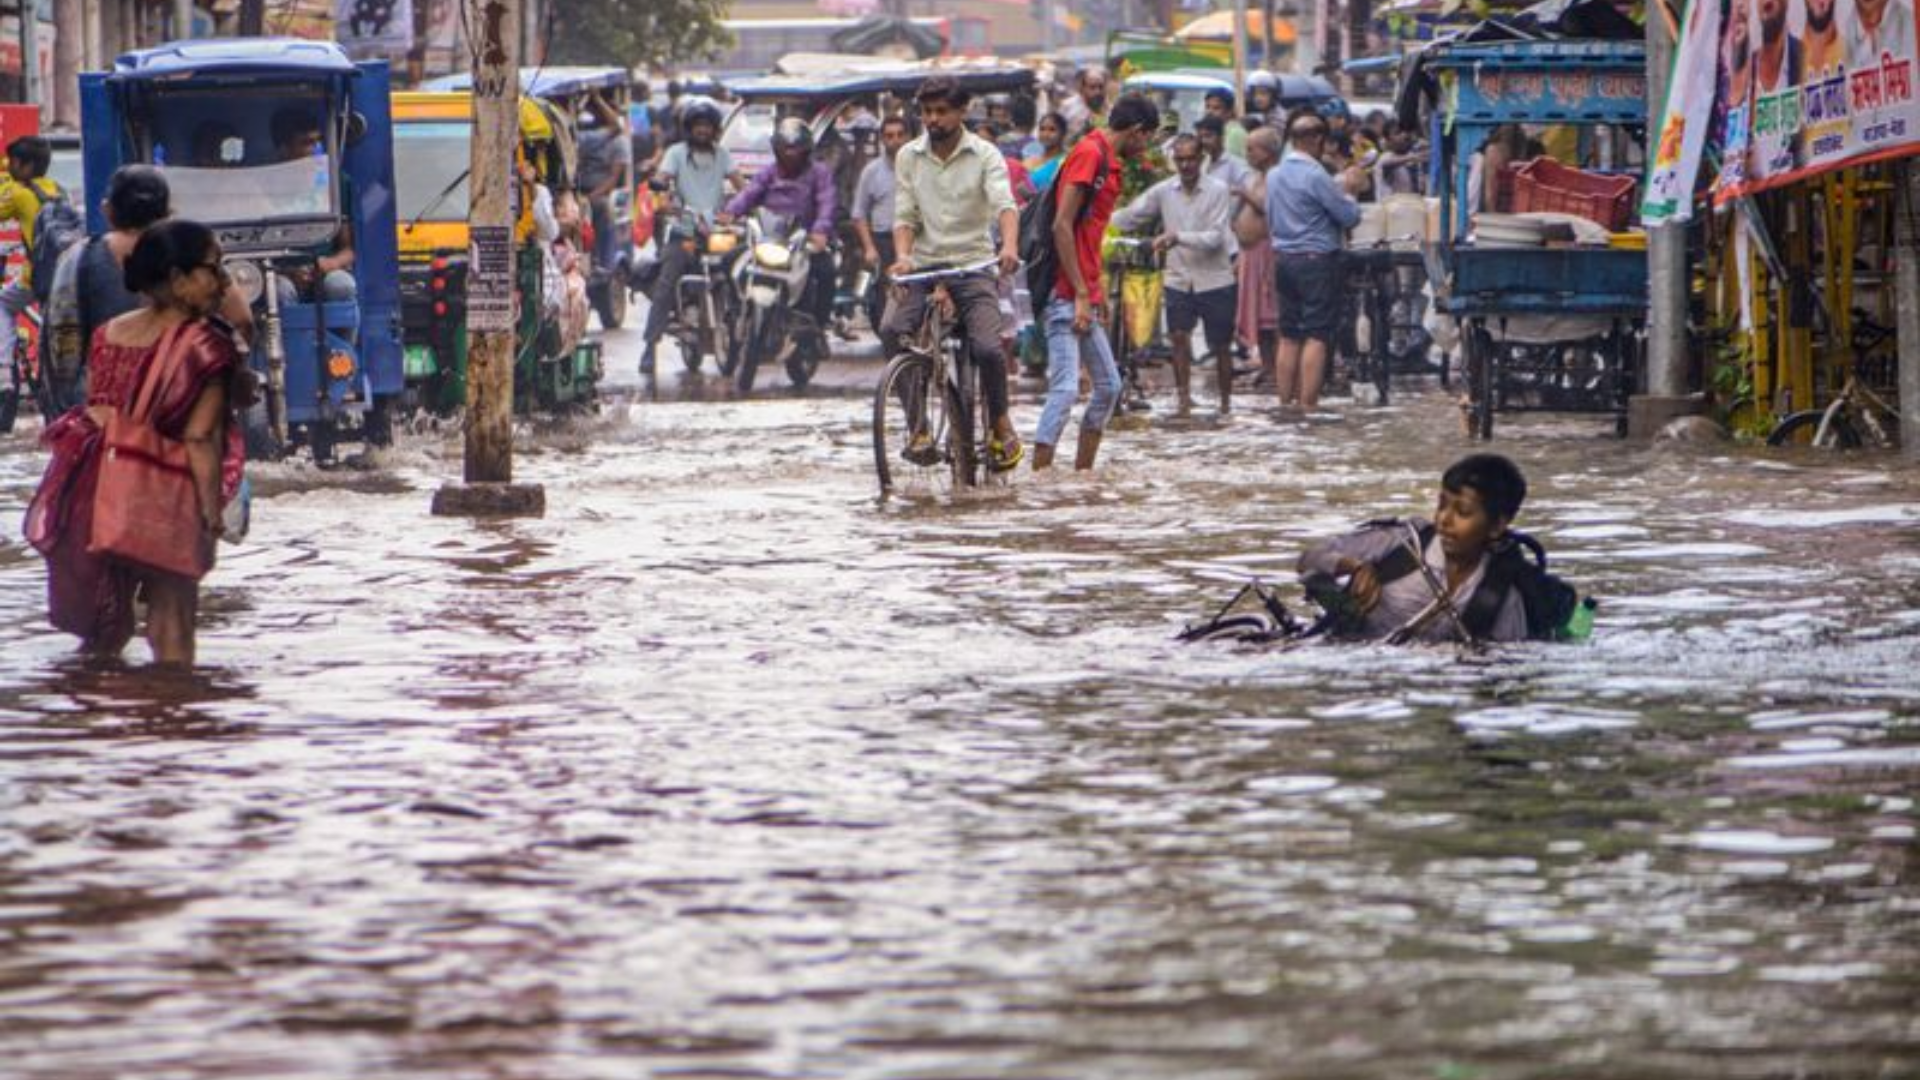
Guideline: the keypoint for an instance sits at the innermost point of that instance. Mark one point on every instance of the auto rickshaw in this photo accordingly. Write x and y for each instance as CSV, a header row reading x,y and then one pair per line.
x,y
433,135
214,117
567,89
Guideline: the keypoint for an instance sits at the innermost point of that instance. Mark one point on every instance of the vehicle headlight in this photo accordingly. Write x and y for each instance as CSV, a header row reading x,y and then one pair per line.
x,y
248,278
773,256
722,243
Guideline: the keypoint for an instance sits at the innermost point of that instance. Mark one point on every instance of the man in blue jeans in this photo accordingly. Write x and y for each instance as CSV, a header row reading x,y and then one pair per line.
x,y
1075,330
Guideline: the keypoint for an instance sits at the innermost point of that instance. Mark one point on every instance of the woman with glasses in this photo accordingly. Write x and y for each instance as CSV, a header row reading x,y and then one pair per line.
x,y
175,267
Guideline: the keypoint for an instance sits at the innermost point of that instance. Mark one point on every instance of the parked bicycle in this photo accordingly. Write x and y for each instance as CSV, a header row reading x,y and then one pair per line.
x,y
929,418
1857,417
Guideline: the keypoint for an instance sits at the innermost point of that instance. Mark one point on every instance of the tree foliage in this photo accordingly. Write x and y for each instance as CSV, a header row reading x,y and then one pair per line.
x,y
637,33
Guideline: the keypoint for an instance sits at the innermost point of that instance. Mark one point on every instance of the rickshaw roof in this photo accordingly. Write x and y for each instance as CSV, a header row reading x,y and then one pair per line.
x,y
1292,86
457,106
236,56
546,82
1179,80
902,79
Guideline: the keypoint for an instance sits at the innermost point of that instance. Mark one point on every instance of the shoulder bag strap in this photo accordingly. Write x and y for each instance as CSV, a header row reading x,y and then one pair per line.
x,y
158,371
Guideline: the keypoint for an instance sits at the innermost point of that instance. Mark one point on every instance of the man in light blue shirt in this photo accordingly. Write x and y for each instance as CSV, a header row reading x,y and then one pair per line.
x,y
1308,214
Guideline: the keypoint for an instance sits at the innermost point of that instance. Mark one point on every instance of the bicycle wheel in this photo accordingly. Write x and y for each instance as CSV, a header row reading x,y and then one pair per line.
x,y
1801,428
964,409
909,424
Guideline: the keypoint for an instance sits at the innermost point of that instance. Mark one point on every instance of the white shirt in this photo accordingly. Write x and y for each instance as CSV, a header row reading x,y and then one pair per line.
x,y
1894,35
1200,219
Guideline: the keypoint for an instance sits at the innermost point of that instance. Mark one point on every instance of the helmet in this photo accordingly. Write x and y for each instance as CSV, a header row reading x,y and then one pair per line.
x,y
792,131
698,110
1262,80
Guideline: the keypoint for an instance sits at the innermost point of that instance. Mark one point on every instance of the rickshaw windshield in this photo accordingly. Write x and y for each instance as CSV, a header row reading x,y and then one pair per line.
x,y
242,155
289,189
430,162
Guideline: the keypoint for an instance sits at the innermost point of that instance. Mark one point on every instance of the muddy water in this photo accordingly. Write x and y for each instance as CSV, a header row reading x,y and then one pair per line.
x,y
725,770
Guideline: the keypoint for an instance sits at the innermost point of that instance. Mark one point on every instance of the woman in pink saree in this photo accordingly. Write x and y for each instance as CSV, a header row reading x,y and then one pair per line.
x,y
176,267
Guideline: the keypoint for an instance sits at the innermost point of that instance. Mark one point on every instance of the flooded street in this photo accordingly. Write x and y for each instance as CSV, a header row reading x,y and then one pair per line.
x,y
726,769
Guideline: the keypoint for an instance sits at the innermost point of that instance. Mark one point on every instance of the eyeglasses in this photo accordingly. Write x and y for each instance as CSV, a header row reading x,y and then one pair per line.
x,y
217,269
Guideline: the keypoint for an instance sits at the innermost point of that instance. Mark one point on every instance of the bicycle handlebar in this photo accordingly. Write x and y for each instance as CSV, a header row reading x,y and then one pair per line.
x,y
952,273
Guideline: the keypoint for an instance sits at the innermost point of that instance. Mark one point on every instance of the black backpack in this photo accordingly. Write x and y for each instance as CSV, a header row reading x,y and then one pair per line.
x,y
56,227
1519,563
1036,236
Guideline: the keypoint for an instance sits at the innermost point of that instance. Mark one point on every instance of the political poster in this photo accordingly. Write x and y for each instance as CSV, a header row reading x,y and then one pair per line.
x,y
1809,86
1799,88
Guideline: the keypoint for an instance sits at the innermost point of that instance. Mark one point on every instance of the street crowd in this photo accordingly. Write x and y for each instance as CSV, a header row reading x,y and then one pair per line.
x,y
1246,215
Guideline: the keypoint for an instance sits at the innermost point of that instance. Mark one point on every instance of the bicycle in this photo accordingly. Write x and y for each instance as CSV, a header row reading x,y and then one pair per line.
x,y
1857,417
932,434
1125,254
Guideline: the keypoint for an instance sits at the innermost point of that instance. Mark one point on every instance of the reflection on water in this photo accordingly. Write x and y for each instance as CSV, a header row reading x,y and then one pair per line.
x,y
724,769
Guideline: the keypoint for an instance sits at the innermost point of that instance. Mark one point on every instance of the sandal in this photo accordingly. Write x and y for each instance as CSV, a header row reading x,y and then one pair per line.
x,y
1007,456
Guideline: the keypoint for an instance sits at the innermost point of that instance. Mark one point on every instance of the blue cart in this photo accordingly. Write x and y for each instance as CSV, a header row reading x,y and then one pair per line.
x,y
1542,328
216,118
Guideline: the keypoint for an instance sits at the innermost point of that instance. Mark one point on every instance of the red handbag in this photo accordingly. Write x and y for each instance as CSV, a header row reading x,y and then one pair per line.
x,y
145,509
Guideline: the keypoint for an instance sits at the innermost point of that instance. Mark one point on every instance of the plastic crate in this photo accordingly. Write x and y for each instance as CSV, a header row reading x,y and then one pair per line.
x,y
1545,185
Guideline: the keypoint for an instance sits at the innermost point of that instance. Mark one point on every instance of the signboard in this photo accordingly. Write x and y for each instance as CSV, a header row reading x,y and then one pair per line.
x,y
490,280
1683,139
1802,87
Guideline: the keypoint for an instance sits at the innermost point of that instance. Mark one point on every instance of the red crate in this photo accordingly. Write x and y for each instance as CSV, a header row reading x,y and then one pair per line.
x,y
1545,185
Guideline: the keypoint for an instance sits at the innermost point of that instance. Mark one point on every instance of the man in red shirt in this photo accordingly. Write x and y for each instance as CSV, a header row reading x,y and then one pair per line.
x,y
1074,319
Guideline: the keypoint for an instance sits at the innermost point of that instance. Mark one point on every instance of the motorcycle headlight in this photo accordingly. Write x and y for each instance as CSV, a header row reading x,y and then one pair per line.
x,y
773,256
722,243
248,278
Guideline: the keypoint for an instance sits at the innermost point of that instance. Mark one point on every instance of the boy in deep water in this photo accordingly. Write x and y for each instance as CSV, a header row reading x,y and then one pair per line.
x,y
1464,575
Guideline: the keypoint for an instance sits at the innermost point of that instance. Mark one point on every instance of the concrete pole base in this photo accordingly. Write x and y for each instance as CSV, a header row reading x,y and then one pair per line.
x,y
484,500
1647,414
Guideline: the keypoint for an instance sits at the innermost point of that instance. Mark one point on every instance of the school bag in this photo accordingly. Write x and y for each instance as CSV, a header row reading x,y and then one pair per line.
x,y
58,226
1036,236
1519,563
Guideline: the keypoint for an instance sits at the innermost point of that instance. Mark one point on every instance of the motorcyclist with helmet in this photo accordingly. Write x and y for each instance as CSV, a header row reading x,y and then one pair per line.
x,y
702,174
801,191
1263,96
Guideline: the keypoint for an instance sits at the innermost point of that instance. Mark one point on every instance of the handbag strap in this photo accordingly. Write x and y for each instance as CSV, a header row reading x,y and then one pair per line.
x,y
158,369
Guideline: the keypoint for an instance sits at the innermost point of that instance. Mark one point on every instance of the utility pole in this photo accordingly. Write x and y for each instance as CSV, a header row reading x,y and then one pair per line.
x,y
182,20
1667,393
69,56
29,52
1240,54
1906,286
489,490
1047,38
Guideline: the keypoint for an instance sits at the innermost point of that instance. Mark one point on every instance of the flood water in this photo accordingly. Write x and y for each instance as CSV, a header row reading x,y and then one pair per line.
x,y
726,769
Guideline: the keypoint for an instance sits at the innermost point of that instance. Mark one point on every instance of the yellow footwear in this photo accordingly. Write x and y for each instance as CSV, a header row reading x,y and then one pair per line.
x,y
1004,457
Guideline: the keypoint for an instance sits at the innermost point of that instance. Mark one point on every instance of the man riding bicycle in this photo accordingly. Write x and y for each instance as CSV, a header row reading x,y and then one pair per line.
x,y
952,189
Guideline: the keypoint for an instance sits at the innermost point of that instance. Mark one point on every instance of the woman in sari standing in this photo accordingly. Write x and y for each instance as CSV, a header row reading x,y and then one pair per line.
x,y
175,267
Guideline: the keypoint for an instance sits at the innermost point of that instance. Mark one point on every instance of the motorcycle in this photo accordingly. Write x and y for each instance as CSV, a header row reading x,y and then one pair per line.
x,y
704,320
770,282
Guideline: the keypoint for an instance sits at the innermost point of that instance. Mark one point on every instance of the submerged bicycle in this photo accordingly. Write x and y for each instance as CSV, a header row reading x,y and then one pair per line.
x,y
1857,417
929,417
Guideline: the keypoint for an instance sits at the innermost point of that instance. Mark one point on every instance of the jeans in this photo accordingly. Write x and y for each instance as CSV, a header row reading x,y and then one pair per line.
x,y
1066,351
14,299
336,286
